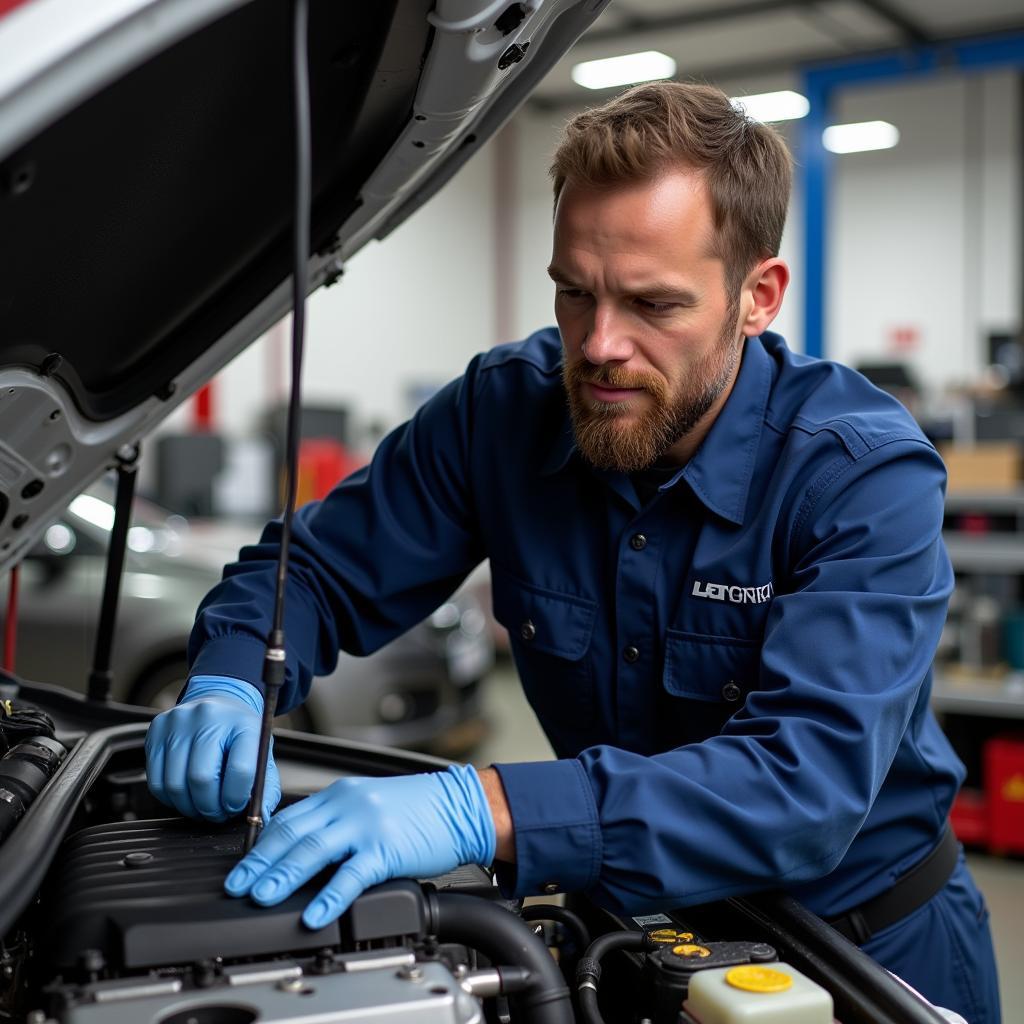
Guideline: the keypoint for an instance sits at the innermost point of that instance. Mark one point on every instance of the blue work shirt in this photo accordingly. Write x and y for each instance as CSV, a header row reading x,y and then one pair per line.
x,y
734,676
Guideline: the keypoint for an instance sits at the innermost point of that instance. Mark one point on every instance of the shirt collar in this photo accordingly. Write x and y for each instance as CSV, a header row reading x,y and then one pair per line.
x,y
720,472
563,448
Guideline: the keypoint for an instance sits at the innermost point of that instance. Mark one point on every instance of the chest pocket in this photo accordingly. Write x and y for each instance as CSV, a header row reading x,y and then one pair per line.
x,y
550,637
705,681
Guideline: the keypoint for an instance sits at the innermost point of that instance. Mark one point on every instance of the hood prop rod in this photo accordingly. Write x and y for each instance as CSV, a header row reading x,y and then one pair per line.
x,y
100,677
274,659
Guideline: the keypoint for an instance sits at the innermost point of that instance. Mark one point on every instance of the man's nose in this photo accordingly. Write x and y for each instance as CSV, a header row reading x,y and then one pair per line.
x,y
607,340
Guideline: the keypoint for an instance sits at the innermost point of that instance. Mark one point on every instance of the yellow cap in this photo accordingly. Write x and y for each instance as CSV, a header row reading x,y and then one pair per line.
x,y
688,949
670,935
759,979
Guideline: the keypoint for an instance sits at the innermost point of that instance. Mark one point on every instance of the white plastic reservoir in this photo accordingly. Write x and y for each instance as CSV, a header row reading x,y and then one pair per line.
x,y
757,994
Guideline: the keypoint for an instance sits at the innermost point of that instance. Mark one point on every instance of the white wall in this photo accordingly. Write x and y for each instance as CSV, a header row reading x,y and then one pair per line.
x,y
535,136
927,235
412,309
1000,182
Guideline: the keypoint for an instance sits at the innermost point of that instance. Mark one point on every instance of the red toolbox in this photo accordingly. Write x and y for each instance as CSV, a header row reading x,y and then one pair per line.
x,y
1004,786
969,817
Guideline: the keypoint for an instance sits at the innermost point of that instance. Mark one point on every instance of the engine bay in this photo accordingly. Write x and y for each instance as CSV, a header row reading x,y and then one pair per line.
x,y
112,912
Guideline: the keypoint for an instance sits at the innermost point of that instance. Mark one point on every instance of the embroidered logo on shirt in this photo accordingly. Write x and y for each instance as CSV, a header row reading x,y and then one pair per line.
x,y
734,595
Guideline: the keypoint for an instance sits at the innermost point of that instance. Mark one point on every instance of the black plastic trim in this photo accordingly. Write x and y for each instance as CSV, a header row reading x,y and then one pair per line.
x,y
861,989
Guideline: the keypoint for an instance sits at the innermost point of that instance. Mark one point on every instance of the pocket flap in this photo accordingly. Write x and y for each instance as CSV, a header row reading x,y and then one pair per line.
x,y
712,668
558,624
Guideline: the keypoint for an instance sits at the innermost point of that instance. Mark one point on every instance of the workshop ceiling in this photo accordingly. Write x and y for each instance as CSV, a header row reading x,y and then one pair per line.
x,y
764,40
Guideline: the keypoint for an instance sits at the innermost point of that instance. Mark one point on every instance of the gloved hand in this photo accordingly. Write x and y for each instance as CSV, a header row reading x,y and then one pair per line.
x,y
201,755
413,826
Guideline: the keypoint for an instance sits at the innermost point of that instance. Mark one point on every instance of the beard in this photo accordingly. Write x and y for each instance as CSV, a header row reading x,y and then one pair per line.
x,y
612,436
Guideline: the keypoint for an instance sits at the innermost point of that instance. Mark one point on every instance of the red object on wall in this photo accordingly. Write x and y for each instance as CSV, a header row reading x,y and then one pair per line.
x,y
202,409
6,6
1004,788
904,337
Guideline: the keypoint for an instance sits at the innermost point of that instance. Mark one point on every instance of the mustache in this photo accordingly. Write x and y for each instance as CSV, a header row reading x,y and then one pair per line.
x,y
581,372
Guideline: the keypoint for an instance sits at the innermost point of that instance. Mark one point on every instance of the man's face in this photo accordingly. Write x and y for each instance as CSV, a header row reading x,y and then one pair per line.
x,y
651,338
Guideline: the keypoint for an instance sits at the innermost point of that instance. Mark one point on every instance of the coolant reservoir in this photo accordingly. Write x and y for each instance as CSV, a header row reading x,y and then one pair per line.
x,y
757,994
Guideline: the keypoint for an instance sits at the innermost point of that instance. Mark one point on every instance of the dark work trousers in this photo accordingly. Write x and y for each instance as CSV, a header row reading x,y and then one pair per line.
x,y
944,950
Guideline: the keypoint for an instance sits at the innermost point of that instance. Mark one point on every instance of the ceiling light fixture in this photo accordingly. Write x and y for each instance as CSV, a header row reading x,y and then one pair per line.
x,y
625,70
773,106
860,137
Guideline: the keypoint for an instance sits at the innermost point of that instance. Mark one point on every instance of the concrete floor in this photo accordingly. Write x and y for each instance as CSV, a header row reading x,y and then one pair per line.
x,y
516,736
1002,881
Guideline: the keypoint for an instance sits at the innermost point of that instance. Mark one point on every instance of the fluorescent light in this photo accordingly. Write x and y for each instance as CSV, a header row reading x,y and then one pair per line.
x,y
624,70
860,137
773,106
93,510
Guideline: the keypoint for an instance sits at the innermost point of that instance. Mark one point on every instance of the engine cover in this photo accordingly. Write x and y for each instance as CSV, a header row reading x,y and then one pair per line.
x,y
145,894
151,893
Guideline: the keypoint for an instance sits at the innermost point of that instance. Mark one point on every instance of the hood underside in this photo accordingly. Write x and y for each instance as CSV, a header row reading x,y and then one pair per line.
x,y
146,181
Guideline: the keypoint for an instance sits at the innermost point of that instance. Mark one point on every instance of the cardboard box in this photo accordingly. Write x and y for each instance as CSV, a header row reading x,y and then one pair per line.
x,y
991,466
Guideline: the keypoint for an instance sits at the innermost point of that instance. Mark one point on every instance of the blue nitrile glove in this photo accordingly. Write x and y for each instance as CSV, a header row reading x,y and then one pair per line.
x,y
414,826
201,755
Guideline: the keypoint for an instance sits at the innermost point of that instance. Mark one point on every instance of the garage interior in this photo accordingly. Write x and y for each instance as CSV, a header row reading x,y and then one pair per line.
x,y
905,237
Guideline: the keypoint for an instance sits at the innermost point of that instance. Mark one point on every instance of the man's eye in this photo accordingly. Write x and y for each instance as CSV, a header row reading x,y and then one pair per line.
x,y
574,294
648,306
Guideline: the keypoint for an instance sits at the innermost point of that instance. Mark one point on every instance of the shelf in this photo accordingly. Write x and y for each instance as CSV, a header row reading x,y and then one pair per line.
x,y
956,692
986,501
966,696
985,552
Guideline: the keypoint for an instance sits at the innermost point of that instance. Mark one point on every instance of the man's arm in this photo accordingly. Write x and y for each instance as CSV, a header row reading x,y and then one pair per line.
x,y
497,801
378,555
385,548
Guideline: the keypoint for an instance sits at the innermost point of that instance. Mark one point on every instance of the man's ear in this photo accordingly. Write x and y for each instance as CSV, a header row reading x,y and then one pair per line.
x,y
762,295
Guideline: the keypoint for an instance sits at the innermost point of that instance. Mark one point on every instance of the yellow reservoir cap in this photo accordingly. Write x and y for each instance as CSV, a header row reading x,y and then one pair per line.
x,y
759,979
689,949
669,935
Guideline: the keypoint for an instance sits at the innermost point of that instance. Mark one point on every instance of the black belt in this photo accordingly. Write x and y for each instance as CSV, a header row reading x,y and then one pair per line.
x,y
907,893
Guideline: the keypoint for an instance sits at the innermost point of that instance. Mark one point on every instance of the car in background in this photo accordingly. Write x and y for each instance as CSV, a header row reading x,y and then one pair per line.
x,y
421,691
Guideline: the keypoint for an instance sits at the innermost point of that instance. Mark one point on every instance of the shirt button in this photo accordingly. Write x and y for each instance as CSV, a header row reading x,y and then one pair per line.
x,y
638,542
631,654
731,692
550,888
527,630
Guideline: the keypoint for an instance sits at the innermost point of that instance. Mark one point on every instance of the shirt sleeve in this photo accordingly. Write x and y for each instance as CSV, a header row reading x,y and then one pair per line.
x,y
778,797
376,556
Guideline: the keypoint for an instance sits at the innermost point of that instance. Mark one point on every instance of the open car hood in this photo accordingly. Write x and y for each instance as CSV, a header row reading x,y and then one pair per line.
x,y
146,191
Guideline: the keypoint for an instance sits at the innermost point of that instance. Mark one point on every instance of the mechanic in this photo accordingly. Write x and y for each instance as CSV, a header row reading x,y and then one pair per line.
x,y
722,568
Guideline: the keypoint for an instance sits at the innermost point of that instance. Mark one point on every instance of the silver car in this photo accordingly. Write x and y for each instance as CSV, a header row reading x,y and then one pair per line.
x,y
418,692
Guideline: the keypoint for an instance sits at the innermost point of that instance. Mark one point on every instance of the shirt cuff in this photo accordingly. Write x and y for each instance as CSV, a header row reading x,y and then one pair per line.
x,y
557,832
237,656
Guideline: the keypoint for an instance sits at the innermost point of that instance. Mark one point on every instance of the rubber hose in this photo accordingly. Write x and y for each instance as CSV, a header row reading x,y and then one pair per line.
x,y
589,969
551,912
504,939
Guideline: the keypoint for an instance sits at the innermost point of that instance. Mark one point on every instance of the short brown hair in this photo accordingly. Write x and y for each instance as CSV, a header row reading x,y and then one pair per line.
x,y
647,129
